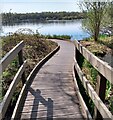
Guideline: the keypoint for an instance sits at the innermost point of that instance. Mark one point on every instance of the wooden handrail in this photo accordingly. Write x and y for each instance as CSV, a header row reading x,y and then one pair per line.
x,y
17,50
99,65
4,62
105,73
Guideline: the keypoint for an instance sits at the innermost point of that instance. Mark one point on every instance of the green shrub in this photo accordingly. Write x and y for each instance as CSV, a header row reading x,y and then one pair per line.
x,y
62,37
90,72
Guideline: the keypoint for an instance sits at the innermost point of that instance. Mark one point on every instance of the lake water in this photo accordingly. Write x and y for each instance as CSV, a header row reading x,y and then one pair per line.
x,y
58,27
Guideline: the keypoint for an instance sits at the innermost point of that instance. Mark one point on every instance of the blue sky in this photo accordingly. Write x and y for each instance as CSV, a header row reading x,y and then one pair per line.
x,y
26,6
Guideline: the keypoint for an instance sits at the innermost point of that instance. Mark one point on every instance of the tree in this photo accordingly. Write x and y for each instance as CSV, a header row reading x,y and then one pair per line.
x,y
95,12
110,13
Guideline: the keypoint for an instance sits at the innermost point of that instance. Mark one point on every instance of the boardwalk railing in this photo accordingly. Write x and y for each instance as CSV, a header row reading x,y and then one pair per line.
x,y
5,61
105,73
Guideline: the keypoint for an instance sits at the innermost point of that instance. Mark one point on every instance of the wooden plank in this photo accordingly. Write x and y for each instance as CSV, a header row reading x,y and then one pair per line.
x,y
10,91
10,55
58,114
62,111
99,65
95,98
42,108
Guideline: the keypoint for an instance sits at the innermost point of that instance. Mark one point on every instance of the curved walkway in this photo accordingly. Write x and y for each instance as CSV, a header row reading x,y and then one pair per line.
x,y
51,94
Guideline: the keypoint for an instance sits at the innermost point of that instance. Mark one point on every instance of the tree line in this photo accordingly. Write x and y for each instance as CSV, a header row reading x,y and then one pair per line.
x,y
10,18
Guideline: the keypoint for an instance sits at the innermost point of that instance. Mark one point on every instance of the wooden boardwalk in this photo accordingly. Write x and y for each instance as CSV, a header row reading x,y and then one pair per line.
x,y
52,94
48,92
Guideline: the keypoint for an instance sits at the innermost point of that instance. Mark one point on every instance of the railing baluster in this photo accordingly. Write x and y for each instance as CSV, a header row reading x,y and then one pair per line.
x,y
21,61
77,55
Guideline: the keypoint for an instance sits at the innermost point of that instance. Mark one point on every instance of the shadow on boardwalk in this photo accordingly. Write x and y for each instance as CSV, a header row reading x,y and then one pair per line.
x,y
39,99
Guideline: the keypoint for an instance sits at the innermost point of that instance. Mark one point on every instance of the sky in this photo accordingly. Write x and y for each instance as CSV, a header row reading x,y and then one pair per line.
x,y
29,6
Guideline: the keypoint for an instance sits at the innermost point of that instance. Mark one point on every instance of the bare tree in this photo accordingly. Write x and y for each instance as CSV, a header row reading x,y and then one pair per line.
x,y
95,12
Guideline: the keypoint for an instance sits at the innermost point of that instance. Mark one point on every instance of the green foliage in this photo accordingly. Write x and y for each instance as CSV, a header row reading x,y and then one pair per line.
x,y
108,89
110,14
1,96
8,75
62,37
102,36
109,96
95,13
90,72
111,104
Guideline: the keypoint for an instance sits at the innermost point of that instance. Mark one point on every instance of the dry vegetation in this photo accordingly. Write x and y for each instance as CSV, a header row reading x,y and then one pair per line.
x,y
35,49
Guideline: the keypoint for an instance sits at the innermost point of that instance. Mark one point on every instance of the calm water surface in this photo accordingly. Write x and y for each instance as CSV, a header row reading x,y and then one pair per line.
x,y
67,27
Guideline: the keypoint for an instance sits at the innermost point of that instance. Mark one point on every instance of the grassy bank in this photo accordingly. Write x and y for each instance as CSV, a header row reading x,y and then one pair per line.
x,y
35,49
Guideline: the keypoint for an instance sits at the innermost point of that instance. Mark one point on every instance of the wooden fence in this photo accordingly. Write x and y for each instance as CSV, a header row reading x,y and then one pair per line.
x,y
5,61
105,72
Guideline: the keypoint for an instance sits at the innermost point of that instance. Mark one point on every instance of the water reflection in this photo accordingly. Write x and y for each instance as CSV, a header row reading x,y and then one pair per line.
x,y
58,27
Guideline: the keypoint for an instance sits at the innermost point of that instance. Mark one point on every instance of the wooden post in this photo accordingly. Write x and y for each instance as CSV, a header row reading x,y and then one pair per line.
x,y
101,90
79,58
20,57
77,55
